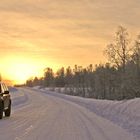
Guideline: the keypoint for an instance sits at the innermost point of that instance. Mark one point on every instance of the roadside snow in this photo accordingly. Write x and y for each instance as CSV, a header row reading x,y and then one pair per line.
x,y
18,97
124,113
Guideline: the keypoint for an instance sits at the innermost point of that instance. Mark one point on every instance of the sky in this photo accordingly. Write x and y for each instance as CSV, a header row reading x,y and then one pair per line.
x,y
35,34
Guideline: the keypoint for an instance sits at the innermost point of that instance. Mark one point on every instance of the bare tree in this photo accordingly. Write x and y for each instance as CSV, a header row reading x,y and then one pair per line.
x,y
118,52
136,53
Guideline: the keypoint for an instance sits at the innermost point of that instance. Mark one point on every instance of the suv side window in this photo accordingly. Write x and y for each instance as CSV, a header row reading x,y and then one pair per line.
x,y
5,87
2,88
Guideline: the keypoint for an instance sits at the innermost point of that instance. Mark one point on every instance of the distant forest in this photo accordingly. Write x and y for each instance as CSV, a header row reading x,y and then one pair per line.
x,y
117,79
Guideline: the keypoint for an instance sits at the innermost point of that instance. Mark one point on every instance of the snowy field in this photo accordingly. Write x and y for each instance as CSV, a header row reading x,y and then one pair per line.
x,y
39,114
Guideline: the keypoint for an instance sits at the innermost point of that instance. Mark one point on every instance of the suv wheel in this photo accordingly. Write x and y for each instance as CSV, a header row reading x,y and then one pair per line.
x,y
8,111
1,110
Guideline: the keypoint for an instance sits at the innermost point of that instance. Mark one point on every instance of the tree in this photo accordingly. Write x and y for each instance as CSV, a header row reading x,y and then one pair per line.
x,y
90,81
68,76
29,82
35,81
60,77
136,53
118,52
48,77
136,67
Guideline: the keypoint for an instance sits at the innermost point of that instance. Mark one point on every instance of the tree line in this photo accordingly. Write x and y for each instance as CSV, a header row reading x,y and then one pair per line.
x,y
117,79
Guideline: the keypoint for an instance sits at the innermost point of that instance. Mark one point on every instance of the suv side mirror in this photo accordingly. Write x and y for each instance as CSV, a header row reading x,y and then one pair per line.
x,y
6,92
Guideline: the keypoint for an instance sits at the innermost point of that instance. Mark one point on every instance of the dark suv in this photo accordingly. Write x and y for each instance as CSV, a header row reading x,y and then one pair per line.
x,y
5,101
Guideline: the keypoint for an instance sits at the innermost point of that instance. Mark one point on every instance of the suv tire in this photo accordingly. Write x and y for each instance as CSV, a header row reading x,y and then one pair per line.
x,y
1,110
8,111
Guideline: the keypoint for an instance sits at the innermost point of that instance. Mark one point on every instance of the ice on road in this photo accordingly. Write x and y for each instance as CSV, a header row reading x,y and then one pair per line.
x,y
46,117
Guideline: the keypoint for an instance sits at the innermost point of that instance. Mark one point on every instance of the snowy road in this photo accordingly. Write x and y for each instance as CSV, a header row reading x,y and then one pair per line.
x,y
46,117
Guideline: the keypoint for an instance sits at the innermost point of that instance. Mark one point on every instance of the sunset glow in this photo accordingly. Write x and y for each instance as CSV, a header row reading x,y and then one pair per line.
x,y
35,34
19,69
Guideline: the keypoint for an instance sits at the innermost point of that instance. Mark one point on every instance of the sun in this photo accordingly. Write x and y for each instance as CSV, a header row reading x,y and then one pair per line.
x,y
19,69
22,71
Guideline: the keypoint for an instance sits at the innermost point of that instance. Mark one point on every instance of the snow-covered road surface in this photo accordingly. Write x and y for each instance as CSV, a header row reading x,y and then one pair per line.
x,y
41,116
